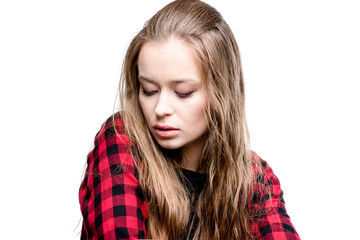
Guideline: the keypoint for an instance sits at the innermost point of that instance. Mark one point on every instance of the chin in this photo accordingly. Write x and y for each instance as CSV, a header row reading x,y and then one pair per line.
x,y
168,144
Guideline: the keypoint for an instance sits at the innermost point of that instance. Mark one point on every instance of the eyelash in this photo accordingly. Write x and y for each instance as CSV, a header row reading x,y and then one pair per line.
x,y
148,93
184,95
181,95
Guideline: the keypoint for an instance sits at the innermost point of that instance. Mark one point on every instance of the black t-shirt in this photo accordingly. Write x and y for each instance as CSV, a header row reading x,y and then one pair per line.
x,y
194,183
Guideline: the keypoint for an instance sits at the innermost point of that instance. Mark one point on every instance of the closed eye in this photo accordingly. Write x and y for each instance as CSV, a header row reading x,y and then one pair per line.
x,y
184,95
148,93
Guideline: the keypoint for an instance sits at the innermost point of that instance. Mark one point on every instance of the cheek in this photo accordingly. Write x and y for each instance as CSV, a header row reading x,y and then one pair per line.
x,y
196,113
146,107
143,105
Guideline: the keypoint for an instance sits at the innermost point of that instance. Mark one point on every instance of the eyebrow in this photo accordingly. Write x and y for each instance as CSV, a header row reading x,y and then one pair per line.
x,y
173,81
145,78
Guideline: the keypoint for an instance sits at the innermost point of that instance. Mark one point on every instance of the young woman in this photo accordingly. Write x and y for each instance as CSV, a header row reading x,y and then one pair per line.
x,y
175,162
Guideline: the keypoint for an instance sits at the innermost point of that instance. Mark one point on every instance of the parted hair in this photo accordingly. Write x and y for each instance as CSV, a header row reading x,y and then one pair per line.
x,y
222,207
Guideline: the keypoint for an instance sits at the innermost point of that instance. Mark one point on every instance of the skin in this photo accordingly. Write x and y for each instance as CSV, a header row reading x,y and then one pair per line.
x,y
173,94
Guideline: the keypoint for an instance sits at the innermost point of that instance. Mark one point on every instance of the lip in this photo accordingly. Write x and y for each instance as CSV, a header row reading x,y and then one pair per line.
x,y
166,131
164,127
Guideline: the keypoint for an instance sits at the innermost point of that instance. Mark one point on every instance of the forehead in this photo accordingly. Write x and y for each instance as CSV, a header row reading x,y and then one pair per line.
x,y
172,59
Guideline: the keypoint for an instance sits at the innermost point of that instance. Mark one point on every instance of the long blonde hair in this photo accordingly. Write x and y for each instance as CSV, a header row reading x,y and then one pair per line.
x,y
222,207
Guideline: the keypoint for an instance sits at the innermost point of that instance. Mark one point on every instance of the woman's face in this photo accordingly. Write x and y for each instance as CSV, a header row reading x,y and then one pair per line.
x,y
172,94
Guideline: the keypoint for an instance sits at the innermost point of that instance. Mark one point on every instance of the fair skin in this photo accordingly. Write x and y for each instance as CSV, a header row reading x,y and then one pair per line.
x,y
172,97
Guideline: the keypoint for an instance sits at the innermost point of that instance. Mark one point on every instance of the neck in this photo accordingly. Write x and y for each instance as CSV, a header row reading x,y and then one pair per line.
x,y
191,156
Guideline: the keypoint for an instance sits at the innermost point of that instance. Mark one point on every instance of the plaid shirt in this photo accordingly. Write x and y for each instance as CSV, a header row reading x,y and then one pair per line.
x,y
114,206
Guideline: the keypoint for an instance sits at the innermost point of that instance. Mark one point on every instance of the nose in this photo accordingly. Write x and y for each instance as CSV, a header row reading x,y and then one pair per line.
x,y
163,106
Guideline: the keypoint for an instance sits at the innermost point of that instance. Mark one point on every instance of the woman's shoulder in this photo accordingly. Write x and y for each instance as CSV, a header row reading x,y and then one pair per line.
x,y
267,205
112,146
113,126
265,183
110,188
260,166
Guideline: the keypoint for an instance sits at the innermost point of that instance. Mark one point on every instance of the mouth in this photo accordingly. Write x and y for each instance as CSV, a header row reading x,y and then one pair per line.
x,y
164,127
166,131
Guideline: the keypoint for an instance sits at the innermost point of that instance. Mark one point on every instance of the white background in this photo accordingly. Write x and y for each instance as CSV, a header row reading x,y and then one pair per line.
x,y
59,68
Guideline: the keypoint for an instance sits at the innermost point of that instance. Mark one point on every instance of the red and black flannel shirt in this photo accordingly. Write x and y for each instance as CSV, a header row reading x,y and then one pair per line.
x,y
114,206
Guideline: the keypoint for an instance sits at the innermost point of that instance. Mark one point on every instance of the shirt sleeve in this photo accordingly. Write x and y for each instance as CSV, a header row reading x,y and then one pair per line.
x,y
271,221
112,201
